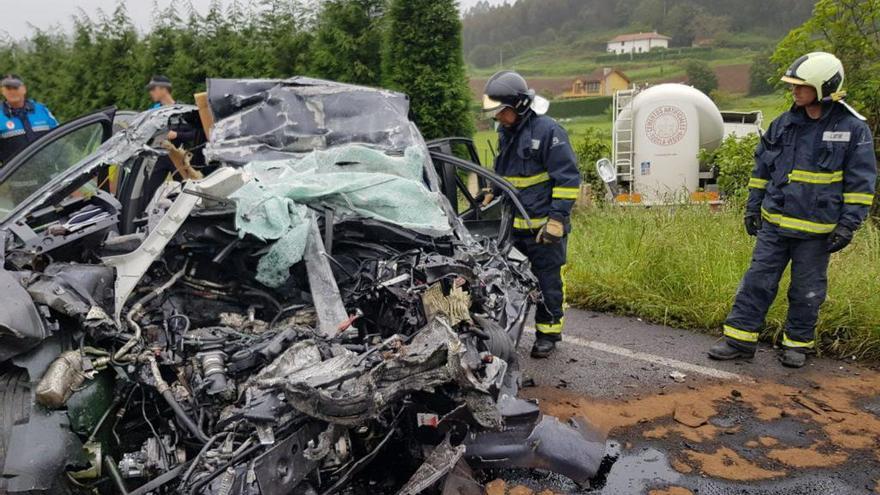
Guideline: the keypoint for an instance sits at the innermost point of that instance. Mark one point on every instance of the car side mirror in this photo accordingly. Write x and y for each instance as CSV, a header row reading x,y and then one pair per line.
x,y
606,172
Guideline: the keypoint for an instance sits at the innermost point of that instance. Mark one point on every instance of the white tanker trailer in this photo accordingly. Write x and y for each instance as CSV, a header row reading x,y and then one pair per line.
x,y
657,135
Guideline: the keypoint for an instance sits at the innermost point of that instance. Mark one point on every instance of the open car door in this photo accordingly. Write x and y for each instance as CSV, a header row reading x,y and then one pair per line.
x,y
462,185
52,154
462,178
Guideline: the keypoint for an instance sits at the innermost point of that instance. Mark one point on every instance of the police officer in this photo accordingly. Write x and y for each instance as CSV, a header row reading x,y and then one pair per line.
x,y
181,133
160,88
812,185
537,158
22,120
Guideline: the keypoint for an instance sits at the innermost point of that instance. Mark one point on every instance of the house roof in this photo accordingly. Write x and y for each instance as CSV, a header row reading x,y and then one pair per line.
x,y
599,75
639,36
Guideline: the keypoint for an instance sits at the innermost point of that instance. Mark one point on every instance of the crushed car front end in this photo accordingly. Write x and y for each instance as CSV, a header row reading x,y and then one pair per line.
x,y
310,316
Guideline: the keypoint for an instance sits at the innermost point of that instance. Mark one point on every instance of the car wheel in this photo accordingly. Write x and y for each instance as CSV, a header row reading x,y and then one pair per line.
x,y
15,404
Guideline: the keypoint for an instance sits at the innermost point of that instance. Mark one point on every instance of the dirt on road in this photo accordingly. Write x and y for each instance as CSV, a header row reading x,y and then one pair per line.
x,y
743,432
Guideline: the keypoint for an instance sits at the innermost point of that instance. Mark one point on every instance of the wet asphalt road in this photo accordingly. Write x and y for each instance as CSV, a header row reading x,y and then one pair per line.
x,y
598,373
613,360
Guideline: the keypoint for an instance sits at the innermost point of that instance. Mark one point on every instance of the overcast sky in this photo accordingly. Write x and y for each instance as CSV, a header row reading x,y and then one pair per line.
x,y
21,16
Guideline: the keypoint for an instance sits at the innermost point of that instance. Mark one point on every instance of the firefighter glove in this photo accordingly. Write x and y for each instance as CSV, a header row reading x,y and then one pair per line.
x,y
753,223
552,232
839,239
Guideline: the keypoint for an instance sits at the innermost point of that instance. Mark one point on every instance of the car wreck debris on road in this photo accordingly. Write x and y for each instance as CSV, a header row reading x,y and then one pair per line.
x,y
309,317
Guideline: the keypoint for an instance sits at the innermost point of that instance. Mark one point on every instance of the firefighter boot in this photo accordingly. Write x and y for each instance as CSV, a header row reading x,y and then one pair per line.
x,y
723,351
791,358
543,347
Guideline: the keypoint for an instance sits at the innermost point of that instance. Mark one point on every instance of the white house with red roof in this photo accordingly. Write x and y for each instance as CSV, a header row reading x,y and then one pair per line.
x,y
637,43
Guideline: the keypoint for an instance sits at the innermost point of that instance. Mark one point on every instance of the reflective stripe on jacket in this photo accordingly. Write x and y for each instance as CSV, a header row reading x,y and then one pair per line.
x,y
537,158
811,175
14,136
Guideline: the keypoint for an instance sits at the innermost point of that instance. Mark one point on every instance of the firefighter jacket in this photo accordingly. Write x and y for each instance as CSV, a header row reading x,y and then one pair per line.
x,y
812,174
536,157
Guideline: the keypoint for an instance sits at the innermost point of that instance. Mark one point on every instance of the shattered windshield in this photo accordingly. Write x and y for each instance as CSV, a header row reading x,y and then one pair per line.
x,y
353,180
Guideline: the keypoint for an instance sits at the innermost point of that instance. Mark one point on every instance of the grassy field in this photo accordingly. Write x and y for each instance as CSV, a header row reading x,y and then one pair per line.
x,y
578,57
681,266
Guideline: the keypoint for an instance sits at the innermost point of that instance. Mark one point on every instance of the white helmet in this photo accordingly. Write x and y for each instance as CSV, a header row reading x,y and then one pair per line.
x,y
821,70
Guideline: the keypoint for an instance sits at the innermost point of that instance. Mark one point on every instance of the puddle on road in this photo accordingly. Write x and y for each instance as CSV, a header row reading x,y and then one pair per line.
x,y
732,438
635,472
630,472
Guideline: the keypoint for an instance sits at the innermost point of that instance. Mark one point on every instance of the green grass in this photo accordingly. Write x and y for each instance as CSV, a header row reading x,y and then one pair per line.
x,y
569,60
771,105
681,266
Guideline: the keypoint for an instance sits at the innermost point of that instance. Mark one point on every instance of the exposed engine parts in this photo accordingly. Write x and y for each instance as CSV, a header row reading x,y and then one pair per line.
x,y
190,357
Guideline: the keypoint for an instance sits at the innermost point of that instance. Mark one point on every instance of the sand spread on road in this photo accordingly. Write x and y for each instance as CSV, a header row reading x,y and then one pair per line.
x,y
672,490
828,410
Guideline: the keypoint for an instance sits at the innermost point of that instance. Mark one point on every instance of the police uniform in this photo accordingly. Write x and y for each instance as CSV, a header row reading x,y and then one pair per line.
x,y
20,127
186,136
810,176
537,158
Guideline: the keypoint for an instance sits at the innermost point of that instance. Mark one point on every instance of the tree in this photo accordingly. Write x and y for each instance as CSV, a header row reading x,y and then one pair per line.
x,y
423,58
483,56
347,42
701,76
761,75
850,29
680,23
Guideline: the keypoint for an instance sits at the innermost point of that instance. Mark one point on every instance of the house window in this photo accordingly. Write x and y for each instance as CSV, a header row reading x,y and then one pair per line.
x,y
593,87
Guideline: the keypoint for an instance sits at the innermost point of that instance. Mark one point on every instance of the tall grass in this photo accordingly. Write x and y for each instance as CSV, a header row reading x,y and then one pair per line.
x,y
681,266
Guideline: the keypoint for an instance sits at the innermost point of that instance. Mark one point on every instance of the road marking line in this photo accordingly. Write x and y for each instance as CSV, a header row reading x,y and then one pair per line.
x,y
651,358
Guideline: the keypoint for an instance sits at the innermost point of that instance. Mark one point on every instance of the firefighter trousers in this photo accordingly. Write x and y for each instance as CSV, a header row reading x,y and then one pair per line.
x,y
809,282
547,261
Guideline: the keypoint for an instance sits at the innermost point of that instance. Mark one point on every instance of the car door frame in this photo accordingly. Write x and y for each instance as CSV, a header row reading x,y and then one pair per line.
x,y
104,116
451,184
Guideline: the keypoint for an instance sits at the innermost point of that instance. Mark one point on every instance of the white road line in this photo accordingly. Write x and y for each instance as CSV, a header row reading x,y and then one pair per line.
x,y
651,358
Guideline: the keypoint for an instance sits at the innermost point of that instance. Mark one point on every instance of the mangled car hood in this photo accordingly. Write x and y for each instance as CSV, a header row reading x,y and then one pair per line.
x,y
307,318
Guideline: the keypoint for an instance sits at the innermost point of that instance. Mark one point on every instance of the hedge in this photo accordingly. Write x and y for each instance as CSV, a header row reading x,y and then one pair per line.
x,y
563,109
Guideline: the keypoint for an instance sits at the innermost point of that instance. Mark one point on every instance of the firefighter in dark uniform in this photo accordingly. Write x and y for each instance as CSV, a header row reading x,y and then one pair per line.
x,y
22,120
537,158
811,188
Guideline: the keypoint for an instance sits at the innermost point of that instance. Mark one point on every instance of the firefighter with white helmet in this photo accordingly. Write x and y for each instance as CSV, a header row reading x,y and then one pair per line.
x,y
811,188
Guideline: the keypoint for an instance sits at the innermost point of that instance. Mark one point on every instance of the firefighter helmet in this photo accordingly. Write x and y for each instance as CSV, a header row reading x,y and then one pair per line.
x,y
821,70
507,89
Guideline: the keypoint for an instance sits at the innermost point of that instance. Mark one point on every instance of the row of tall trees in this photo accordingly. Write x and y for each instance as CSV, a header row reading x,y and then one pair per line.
x,y
105,61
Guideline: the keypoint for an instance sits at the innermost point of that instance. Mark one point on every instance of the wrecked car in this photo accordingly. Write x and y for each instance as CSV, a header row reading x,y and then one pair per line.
x,y
322,306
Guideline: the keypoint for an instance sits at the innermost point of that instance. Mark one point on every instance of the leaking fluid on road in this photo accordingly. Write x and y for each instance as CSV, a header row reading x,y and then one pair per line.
x,y
621,472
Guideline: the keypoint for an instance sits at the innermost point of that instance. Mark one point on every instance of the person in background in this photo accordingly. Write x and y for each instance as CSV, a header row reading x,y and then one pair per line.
x,y
180,134
160,88
22,120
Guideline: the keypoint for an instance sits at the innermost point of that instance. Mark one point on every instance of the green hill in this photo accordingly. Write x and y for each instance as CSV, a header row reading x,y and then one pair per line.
x,y
555,40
